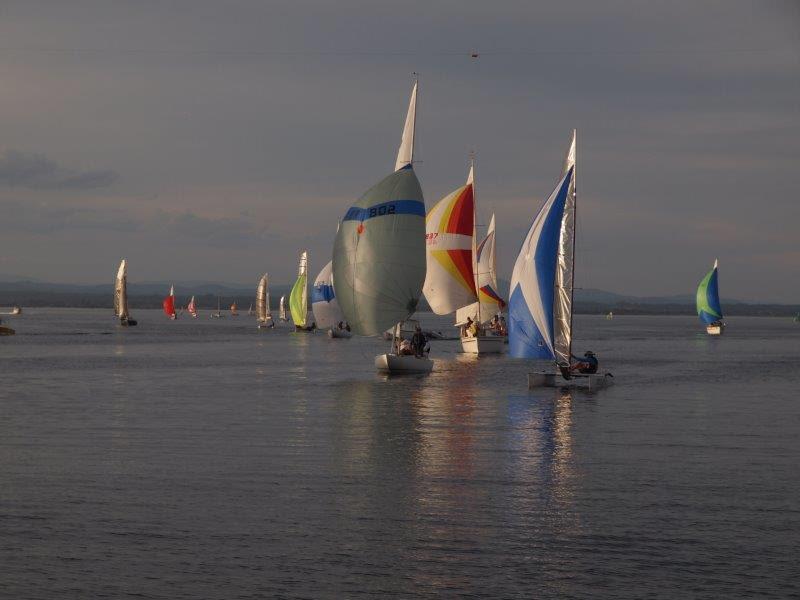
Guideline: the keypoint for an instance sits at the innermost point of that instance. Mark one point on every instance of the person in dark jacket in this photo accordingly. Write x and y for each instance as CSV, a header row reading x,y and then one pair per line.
x,y
418,342
587,365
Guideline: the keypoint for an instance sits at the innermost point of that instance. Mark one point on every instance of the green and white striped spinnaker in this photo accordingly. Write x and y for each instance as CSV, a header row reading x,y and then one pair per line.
x,y
298,298
379,253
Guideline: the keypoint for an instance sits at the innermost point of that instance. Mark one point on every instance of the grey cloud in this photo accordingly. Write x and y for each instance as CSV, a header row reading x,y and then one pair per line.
x,y
36,171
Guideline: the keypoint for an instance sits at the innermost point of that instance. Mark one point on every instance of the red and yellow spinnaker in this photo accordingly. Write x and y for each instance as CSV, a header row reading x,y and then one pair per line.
x,y
450,237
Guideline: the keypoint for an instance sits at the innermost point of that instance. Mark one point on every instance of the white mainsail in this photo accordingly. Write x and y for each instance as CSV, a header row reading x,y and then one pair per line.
x,y
282,309
121,291
379,252
405,154
323,299
491,303
262,300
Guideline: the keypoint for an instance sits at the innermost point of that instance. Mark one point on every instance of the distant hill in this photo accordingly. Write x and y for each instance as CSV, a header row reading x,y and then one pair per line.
x,y
26,292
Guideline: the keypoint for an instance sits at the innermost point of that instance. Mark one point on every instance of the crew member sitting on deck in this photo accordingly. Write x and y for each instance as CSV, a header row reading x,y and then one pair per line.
x,y
586,365
405,349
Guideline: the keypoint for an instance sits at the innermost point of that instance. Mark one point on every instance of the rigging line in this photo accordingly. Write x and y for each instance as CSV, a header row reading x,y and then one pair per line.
x,y
578,52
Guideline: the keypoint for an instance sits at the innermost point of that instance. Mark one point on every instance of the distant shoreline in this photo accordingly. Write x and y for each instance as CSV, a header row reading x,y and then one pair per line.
x,y
32,299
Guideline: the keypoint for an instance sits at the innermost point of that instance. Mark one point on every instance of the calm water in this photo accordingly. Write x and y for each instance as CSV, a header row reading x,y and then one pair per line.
x,y
204,459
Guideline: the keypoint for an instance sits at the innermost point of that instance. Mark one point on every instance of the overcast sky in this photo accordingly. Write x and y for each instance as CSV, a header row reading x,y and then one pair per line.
x,y
213,140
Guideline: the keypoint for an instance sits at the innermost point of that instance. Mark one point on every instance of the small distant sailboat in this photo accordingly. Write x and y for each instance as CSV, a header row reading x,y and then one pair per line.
x,y
379,257
234,309
298,298
218,314
452,281
121,296
5,330
169,304
263,314
325,307
610,315
16,310
250,312
282,309
542,284
191,308
796,318
708,306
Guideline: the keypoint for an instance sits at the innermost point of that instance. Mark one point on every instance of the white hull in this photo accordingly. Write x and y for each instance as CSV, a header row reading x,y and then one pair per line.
x,y
393,363
339,333
485,344
714,329
593,382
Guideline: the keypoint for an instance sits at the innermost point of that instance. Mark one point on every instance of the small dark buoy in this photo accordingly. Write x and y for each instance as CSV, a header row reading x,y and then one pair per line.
x,y
474,55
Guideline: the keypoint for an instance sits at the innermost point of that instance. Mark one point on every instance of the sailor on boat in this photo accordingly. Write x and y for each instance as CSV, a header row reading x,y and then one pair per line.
x,y
587,365
418,342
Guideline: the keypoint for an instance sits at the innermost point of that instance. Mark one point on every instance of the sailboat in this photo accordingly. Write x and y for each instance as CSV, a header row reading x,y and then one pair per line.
x,y
169,304
708,307
325,307
263,314
452,274
121,296
6,330
234,309
218,314
379,256
298,297
610,315
250,312
191,308
282,309
542,283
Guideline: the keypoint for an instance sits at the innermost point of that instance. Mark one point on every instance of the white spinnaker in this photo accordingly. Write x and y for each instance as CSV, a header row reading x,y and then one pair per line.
x,y
323,299
121,291
405,154
565,266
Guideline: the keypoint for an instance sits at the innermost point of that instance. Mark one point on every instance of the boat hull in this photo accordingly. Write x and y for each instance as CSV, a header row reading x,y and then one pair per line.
x,y
339,334
128,323
304,329
715,329
6,331
548,379
484,344
395,364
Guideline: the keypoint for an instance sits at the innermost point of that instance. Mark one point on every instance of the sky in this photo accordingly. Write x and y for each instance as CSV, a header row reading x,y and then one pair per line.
x,y
213,141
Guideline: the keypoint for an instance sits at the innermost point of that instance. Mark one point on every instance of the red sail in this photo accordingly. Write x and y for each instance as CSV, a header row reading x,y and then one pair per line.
x,y
169,306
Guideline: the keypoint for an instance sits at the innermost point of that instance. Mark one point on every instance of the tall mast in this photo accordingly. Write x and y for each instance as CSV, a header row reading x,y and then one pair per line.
x,y
471,181
572,157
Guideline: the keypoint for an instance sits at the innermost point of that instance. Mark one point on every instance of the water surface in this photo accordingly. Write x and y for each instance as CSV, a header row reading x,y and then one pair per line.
x,y
204,459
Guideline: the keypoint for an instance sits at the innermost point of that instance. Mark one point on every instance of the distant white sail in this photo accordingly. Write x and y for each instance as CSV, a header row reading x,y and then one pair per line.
x,y
282,309
323,299
121,291
262,300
